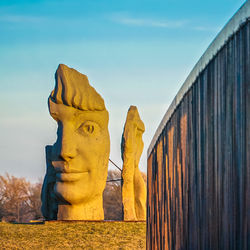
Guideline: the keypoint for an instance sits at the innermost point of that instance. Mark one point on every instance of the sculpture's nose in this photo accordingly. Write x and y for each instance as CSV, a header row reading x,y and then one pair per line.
x,y
67,152
66,145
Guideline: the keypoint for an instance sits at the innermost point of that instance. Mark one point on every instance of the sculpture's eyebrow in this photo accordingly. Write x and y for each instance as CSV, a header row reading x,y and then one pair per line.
x,y
55,113
88,113
101,117
141,130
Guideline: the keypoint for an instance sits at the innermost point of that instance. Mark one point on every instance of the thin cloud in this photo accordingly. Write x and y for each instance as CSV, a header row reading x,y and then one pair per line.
x,y
168,24
203,28
21,19
143,22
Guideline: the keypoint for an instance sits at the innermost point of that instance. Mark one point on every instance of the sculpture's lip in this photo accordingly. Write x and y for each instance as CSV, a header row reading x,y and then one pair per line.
x,y
64,167
70,177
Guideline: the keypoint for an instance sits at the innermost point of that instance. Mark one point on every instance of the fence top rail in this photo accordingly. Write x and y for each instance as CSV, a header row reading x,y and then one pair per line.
x,y
228,30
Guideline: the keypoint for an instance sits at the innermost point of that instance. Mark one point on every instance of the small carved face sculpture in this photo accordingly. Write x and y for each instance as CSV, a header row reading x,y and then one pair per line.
x,y
80,154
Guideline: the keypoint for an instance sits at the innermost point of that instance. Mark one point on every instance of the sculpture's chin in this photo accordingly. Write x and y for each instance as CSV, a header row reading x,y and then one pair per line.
x,y
72,192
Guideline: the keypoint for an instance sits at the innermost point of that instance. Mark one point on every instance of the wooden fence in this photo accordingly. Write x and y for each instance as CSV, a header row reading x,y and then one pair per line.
x,y
199,162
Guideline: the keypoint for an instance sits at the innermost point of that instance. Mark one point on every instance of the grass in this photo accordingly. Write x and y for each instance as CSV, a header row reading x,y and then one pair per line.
x,y
87,235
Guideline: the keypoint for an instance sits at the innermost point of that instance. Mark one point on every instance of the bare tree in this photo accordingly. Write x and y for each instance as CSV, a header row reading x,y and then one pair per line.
x,y
112,196
13,196
112,199
34,201
19,199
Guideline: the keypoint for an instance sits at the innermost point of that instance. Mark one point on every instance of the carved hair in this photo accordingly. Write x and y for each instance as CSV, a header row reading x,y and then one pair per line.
x,y
73,89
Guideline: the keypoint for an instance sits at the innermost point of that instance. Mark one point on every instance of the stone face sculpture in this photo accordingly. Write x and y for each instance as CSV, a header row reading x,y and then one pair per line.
x,y
134,188
77,163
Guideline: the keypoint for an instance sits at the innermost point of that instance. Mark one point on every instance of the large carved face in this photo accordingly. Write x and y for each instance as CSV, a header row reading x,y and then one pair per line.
x,y
80,154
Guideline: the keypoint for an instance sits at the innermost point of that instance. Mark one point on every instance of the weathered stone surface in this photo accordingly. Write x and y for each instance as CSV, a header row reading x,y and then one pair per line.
x,y
134,188
77,163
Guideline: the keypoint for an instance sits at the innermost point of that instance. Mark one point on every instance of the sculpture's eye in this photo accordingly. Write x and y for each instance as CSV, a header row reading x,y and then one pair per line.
x,y
89,128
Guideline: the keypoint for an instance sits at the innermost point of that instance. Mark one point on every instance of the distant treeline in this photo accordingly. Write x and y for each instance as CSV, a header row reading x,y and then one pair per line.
x,y
20,200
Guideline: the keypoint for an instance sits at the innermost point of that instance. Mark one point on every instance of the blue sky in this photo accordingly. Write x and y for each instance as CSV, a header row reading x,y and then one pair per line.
x,y
134,52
